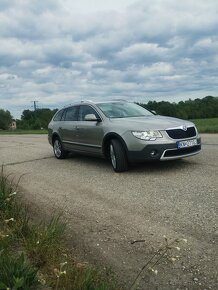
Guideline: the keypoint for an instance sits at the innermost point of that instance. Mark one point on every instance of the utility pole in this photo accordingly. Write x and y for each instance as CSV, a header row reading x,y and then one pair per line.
x,y
34,105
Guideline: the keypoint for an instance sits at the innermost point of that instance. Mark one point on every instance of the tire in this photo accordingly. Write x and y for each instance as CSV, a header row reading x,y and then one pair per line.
x,y
118,156
59,152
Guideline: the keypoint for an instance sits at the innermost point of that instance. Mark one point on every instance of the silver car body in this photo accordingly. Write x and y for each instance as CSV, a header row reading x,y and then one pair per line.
x,y
92,136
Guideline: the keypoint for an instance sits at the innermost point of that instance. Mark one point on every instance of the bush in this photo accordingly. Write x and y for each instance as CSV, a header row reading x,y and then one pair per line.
x,y
5,119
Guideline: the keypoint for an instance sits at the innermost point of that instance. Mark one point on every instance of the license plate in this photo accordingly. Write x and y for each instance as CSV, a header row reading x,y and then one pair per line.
x,y
187,143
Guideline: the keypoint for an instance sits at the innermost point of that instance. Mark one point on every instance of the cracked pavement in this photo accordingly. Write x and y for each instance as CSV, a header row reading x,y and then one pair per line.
x,y
106,211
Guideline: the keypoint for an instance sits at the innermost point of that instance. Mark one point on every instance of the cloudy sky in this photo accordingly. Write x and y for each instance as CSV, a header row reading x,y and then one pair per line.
x,y
60,51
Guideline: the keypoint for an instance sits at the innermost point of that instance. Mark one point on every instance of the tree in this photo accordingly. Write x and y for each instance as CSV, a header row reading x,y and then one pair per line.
x,y
32,120
5,119
189,109
27,115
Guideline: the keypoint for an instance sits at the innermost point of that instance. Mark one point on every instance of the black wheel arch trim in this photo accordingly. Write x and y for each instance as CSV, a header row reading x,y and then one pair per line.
x,y
55,135
113,135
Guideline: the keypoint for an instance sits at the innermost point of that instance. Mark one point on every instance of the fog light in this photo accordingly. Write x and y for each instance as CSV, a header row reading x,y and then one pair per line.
x,y
153,153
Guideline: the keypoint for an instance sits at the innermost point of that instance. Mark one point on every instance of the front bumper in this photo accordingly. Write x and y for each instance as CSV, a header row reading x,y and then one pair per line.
x,y
163,152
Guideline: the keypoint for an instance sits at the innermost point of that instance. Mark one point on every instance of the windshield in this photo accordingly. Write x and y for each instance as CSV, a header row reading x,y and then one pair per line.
x,y
123,110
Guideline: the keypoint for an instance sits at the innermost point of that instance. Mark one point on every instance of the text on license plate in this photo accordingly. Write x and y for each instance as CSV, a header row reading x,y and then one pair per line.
x,y
187,143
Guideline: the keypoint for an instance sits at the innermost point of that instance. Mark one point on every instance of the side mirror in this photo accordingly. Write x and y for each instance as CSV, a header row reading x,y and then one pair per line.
x,y
154,112
91,117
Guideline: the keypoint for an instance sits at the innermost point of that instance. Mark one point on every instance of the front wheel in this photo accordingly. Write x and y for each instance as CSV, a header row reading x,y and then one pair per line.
x,y
118,156
59,152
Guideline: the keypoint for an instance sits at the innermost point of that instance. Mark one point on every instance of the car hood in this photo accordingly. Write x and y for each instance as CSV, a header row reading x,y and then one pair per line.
x,y
154,122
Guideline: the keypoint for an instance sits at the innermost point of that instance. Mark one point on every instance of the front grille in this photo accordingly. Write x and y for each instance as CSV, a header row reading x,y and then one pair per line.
x,y
182,151
181,134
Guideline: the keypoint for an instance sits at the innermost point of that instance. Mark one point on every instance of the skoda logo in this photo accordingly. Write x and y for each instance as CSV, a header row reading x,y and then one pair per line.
x,y
184,128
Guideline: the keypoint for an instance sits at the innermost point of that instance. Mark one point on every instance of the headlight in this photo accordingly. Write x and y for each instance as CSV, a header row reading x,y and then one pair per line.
x,y
147,135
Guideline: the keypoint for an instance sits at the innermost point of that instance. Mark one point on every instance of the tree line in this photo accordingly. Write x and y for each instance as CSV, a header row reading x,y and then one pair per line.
x,y
190,109
34,120
30,120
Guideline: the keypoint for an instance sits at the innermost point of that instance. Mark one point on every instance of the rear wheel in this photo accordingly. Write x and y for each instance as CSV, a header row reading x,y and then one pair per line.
x,y
118,156
59,151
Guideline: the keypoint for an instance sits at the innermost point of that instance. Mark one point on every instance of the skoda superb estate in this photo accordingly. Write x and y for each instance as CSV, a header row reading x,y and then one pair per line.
x,y
122,132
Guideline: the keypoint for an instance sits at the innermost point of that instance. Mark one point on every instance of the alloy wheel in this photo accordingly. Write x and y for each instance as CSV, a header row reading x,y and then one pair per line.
x,y
113,157
57,148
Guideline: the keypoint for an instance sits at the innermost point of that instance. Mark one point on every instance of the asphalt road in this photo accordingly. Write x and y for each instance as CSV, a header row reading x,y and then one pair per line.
x,y
105,211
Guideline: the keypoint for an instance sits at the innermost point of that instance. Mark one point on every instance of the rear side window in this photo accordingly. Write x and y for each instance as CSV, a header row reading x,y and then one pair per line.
x,y
58,116
71,113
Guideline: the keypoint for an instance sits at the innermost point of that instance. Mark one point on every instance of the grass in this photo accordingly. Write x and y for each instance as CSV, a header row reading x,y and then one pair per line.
x,y
21,132
203,125
16,273
43,242
206,125
33,256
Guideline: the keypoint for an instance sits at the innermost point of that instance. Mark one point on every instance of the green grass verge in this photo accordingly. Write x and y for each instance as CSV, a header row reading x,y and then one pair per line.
x,y
21,132
206,125
33,256
203,125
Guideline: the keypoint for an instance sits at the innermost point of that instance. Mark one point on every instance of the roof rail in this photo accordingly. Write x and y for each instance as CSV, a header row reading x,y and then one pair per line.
x,y
78,102
89,101
67,105
120,100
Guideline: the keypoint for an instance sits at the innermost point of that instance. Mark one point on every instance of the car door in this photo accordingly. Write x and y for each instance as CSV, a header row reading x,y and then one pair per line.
x,y
89,133
69,128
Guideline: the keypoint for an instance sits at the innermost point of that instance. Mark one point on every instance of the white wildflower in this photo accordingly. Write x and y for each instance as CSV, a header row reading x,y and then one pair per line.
x,y
57,272
42,281
165,238
63,272
9,220
63,264
155,272
3,236
14,193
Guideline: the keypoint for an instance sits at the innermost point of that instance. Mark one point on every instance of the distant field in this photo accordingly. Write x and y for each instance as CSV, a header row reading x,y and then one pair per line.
x,y
206,125
11,132
203,126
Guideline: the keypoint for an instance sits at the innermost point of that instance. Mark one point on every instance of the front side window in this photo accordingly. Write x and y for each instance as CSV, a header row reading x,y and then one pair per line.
x,y
123,110
71,113
86,110
59,115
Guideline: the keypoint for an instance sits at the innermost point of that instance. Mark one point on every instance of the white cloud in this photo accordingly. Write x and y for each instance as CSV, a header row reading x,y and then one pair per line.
x,y
156,69
6,76
141,50
59,51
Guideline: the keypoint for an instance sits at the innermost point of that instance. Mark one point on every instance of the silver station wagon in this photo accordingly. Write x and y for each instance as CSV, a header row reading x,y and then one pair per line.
x,y
122,132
